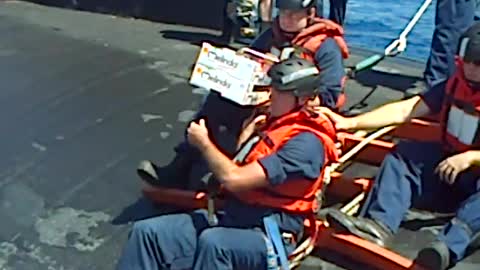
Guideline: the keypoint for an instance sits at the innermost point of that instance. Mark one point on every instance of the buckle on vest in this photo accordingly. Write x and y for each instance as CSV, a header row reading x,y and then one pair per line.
x,y
267,140
289,239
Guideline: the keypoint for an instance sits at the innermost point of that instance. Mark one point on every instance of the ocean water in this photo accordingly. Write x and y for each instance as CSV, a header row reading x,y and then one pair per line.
x,y
374,24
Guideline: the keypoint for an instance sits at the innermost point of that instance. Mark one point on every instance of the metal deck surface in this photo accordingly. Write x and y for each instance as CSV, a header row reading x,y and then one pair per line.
x,y
83,98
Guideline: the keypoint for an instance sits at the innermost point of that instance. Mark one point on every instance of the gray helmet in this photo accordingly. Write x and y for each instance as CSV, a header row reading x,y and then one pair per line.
x,y
469,46
295,4
297,75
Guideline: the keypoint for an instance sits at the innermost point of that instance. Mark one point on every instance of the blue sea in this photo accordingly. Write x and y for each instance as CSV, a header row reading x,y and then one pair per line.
x,y
374,24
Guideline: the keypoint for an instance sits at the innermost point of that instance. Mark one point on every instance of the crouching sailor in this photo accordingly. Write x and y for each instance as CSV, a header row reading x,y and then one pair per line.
x,y
272,188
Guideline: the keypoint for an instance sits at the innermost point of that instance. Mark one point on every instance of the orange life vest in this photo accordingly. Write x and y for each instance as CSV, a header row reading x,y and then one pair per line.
x,y
311,38
297,195
460,115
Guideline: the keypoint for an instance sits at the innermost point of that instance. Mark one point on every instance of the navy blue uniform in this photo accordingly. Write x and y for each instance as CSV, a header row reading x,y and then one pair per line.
x,y
185,241
407,178
338,8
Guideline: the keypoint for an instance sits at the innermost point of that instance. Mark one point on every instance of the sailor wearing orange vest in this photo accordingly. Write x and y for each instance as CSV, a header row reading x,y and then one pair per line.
x,y
439,174
277,179
296,24
320,39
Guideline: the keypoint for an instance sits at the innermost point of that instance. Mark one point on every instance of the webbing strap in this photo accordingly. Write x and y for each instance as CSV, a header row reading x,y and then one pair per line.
x,y
273,233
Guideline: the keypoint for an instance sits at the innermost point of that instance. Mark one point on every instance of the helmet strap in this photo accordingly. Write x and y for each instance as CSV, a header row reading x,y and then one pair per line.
x,y
473,85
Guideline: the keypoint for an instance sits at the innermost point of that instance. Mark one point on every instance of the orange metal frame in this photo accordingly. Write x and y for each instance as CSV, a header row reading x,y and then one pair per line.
x,y
351,246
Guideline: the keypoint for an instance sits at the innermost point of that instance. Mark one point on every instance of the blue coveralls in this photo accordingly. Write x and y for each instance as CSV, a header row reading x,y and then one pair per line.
x,y
337,10
407,178
222,112
185,241
452,19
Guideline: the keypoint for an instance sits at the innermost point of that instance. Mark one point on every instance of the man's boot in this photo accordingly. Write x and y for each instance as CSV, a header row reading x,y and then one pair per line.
x,y
435,256
174,175
365,228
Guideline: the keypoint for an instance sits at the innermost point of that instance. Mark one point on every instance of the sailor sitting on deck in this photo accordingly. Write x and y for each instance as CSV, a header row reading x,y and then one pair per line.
x,y
428,172
277,179
296,24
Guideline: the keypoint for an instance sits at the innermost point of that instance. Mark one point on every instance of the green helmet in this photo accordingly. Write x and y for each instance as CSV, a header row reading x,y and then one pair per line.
x,y
297,75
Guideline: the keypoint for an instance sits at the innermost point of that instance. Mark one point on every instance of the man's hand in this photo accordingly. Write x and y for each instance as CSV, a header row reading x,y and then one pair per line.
x,y
449,168
250,128
260,97
341,123
197,134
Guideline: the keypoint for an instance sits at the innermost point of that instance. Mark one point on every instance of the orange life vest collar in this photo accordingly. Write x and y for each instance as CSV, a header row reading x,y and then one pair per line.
x,y
312,37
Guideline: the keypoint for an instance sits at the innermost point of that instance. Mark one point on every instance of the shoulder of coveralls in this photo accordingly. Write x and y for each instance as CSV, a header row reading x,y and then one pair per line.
x,y
329,55
330,61
263,41
434,97
301,157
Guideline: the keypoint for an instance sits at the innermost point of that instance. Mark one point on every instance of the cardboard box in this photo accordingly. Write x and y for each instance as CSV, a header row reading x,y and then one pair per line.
x,y
231,74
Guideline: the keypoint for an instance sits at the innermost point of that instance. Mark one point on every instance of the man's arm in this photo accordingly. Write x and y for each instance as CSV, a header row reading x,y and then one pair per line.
x,y
390,114
302,156
232,176
330,61
401,111
475,156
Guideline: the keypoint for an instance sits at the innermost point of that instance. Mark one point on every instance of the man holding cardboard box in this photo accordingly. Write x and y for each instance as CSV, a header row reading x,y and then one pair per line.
x,y
296,26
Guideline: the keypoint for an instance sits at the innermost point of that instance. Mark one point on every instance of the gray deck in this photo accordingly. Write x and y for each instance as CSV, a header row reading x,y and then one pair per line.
x,y
84,97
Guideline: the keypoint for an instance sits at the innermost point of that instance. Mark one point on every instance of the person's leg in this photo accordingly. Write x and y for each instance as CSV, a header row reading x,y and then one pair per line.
x,y
229,248
453,17
165,242
227,23
404,176
221,115
338,9
459,233
266,10
319,8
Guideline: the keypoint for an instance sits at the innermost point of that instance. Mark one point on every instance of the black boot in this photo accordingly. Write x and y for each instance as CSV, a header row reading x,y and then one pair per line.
x,y
368,229
174,175
435,256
